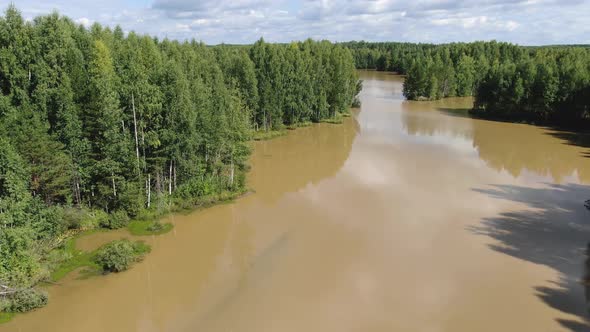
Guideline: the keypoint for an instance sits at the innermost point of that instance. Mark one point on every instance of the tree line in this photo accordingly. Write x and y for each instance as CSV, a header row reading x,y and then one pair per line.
x,y
548,84
98,126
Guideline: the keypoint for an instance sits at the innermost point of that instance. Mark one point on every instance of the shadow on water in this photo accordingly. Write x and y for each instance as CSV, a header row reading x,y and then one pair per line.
x,y
554,233
581,139
458,112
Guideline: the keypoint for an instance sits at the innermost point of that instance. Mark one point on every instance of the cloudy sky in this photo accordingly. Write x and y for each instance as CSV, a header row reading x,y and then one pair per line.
x,y
529,22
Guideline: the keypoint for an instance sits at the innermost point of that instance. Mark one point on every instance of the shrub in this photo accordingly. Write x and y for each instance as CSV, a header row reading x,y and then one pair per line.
x,y
19,264
116,220
4,304
25,300
155,227
94,219
48,222
147,227
57,257
73,217
197,187
119,255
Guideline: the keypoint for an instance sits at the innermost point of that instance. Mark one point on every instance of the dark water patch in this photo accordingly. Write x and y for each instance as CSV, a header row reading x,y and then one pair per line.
x,y
554,234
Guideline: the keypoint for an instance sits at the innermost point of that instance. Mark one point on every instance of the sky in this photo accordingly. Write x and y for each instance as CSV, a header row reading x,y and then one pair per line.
x,y
526,22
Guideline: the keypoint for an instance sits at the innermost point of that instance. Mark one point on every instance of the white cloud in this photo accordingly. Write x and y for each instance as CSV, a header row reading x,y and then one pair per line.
x,y
244,21
84,21
510,25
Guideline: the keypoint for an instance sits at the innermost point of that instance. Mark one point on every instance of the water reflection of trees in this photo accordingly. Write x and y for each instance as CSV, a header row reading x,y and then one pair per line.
x,y
419,120
555,234
503,146
306,155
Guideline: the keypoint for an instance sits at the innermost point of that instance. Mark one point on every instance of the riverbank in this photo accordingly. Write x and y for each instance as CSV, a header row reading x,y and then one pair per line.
x,y
262,135
68,258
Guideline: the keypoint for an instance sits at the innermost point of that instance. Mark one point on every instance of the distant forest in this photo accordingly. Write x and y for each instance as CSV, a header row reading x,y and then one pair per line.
x,y
548,84
98,126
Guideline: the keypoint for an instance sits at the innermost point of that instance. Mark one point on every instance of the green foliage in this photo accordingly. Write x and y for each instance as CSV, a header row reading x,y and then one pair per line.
x,y
198,188
89,220
19,261
301,82
14,194
157,226
337,119
299,125
263,135
546,85
25,300
68,259
116,220
119,255
538,84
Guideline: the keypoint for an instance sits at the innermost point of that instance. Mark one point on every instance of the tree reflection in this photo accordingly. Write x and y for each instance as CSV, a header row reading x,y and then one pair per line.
x,y
514,148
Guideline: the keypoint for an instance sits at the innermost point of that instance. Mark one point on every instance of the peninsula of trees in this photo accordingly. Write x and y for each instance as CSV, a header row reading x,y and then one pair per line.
x,y
536,84
98,126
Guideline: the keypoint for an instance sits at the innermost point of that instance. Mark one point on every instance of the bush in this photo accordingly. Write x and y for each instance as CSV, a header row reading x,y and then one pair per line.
x,y
94,219
131,199
48,222
19,263
197,188
25,300
72,217
4,304
83,219
147,227
119,255
116,220
155,227
57,257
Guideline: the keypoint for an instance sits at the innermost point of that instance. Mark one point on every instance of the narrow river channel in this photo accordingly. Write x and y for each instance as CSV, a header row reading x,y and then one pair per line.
x,y
410,216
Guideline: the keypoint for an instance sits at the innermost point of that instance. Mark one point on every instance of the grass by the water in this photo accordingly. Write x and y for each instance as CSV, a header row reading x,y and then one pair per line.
x,y
338,118
78,259
263,135
299,125
335,120
148,227
6,316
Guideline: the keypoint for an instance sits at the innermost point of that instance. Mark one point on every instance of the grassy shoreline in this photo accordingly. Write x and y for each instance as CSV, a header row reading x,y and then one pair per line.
x,y
262,135
137,227
84,261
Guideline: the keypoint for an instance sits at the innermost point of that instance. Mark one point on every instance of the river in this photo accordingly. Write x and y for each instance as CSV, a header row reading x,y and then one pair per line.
x,y
410,216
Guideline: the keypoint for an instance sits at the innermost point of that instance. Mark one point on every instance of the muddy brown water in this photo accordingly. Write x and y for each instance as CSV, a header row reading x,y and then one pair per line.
x,y
408,217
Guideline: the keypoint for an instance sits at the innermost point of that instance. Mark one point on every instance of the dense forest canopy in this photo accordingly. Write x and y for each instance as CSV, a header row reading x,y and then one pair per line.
x,y
97,126
549,84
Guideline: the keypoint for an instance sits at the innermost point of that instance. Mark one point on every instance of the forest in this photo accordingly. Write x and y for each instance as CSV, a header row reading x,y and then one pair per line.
x,y
549,85
98,127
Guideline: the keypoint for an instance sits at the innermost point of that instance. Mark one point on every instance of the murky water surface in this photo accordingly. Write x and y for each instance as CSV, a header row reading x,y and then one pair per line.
x,y
409,217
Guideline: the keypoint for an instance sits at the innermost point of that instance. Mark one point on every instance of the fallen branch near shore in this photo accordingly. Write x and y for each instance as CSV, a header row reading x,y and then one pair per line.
x,y
6,290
